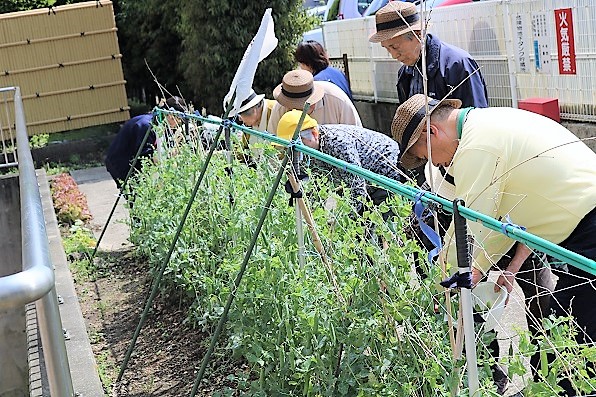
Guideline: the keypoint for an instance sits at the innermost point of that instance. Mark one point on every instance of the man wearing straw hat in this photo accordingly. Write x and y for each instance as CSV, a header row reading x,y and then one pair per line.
x,y
356,145
451,71
520,168
534,278
328,103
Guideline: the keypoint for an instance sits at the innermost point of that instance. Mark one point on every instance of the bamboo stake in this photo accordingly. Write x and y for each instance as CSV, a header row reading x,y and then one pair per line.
x,y
315,237
224,316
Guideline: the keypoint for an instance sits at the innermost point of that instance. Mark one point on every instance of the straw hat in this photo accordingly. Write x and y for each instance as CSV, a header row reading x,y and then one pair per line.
x,y
173,103
441,181
252,100
395,19
408,123
288,122
298,87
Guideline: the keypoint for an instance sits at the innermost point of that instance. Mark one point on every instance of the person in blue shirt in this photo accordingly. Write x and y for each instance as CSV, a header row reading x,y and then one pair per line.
x,y
312,57
125,145
452,73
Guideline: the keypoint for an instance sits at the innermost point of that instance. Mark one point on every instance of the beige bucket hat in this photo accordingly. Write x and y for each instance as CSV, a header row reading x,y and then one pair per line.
x,y
395,19
252,100
296,88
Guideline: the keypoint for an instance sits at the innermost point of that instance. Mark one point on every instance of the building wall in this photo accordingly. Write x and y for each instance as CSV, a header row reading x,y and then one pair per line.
x,y
13,342
514,42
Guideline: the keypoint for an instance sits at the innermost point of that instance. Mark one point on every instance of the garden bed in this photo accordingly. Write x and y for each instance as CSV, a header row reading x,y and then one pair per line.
x,y
168,350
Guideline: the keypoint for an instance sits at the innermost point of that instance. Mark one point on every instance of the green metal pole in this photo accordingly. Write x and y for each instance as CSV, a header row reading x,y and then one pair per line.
x,y
165,262
247,256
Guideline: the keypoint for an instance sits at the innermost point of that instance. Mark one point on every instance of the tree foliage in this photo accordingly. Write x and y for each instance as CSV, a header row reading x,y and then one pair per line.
x,y
149,41
216,34
24,5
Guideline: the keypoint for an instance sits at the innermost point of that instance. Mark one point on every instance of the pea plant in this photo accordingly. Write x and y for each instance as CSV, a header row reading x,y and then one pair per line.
x,y
364,324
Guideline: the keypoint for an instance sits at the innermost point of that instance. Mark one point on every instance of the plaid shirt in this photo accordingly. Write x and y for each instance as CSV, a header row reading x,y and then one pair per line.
x,y
365,148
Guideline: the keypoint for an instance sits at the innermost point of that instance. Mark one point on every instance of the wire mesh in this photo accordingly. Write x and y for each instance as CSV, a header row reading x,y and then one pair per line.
x,y
503,37
369,319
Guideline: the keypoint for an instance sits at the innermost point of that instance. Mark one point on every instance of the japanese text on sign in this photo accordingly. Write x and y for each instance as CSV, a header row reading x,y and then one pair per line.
x,y
565,40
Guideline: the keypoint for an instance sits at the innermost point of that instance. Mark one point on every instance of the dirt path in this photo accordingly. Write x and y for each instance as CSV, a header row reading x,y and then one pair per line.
x,y
112,294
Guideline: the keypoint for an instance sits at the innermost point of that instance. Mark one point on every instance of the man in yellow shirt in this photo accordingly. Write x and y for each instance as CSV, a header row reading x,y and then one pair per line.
x,y
520,168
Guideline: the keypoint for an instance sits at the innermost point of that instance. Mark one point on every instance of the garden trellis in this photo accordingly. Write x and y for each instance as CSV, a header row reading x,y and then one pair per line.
x,y
287,321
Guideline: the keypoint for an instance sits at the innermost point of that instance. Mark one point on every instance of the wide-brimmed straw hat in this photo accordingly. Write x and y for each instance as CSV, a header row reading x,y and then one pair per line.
x,y
296,88
408,123
442,182
395,19
252,100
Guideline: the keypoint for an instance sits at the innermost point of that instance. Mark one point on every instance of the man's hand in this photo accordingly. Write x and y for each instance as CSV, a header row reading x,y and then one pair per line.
x,y
506,280
507,277
476,276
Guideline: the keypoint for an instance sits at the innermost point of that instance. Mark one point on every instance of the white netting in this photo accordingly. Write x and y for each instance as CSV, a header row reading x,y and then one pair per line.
x,y
363,316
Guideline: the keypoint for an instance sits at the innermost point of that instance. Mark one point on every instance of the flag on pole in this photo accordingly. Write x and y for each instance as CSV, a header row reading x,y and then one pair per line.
x,y
349,9
259,48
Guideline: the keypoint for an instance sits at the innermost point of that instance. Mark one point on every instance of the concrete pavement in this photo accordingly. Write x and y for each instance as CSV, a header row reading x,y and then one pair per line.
x,y
101,191
83,367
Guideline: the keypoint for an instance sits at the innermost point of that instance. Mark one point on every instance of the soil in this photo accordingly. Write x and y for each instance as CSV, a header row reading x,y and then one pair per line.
x,y
168,352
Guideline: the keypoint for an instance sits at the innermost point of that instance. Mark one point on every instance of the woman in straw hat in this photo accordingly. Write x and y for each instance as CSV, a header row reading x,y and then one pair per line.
x,y
518,167
254,112
328,103
451,71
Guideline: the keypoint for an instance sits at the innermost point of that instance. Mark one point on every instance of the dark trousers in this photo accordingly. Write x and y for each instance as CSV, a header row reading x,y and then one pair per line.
x,y
575,292
536,282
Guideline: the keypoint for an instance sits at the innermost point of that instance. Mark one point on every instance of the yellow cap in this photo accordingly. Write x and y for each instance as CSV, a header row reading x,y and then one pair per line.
x,y
289,121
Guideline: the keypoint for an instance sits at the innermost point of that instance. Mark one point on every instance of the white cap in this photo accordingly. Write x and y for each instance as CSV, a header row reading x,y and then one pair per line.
x,y
252,100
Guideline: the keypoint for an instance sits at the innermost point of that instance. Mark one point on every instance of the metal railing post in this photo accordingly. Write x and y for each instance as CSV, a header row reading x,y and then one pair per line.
x,y
36,252
464,268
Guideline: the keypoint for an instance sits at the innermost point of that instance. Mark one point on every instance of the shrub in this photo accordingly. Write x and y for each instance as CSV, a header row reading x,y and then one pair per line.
x,y
362,324
69,203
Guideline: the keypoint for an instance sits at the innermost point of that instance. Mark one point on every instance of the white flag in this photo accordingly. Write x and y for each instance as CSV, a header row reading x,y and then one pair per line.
x,y
259,48
348,10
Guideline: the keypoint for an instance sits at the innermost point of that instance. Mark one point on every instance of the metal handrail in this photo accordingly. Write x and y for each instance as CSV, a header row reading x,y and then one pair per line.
x,y
4,91
36,281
